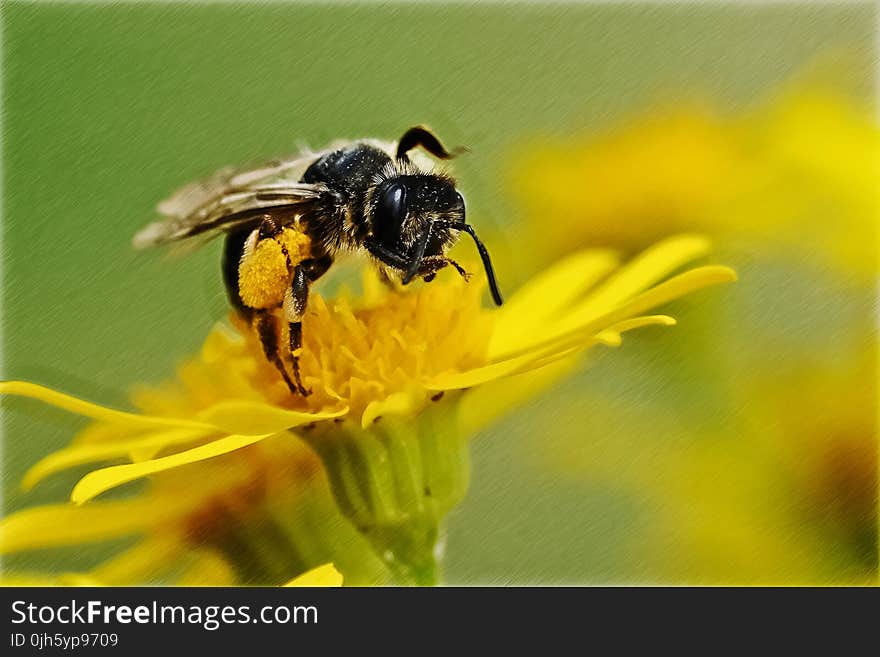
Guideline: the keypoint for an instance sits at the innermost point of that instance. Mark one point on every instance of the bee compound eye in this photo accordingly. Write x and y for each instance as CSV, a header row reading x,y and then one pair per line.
x,y
460,204
392,209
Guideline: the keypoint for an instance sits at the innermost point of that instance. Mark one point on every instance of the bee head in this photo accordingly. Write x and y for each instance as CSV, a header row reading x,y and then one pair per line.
x,y
405,206
415,218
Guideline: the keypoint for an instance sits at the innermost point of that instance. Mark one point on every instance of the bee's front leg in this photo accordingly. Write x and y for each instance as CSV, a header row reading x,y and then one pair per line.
x,y
432,264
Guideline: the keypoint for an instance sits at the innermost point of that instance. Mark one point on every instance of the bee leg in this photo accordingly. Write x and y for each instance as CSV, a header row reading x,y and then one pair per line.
x,y
436,263
316,267
295,302
432,264
428,269
295,329
268,228
386,255
267,329
238,248
461,270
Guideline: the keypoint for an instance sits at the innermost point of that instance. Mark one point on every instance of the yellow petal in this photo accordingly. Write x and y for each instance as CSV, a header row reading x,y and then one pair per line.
x,y
64,524
612,335
80,454
103,480
486,403
507,367
639,274
647,268
550,297
570,333
87,409
541,355
399,403
675,287
104,432
216,346
249,418
141,563
41,579
325,575
23,580
547,295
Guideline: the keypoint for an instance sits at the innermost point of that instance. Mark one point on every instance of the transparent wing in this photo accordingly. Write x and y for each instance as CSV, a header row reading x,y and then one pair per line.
x,y
230,198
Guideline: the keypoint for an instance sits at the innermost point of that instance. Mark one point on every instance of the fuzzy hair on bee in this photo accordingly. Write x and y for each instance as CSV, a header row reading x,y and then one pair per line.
x,y
287,220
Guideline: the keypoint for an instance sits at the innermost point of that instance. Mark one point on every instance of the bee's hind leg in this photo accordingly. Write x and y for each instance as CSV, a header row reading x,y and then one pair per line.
x,y
295,302
294,308
267,328
295,330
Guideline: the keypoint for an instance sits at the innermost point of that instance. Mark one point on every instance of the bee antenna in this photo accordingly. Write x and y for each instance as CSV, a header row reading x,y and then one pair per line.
x,y
420,136
484,256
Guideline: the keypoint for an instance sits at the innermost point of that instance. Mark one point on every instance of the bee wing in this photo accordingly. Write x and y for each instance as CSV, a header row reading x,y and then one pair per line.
x,y
231,198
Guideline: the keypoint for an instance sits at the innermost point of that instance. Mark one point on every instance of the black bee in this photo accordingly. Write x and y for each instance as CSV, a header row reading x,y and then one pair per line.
x,y
285,222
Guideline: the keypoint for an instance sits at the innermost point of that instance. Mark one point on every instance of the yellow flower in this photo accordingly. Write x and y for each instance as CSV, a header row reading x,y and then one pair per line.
x,y
780,173
780,489
243,470
772,476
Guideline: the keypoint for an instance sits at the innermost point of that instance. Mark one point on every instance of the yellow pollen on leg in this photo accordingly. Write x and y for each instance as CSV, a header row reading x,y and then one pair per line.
x,y
263,277
298,245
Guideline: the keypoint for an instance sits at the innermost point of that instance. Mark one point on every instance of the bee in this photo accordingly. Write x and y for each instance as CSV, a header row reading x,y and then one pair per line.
x,y
286,221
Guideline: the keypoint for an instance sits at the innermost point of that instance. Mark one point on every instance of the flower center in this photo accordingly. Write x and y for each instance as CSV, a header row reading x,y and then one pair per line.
x,y
351,356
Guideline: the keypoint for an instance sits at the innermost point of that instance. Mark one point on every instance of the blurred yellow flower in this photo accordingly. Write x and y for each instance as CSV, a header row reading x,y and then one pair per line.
x,y
802,169
241,469
772,476
780,487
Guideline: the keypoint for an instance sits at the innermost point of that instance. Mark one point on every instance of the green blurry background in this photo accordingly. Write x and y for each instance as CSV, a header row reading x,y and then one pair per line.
x,y
107,109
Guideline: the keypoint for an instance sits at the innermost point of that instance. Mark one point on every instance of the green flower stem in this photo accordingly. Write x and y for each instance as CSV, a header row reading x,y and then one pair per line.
x,y
396,481
295,532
